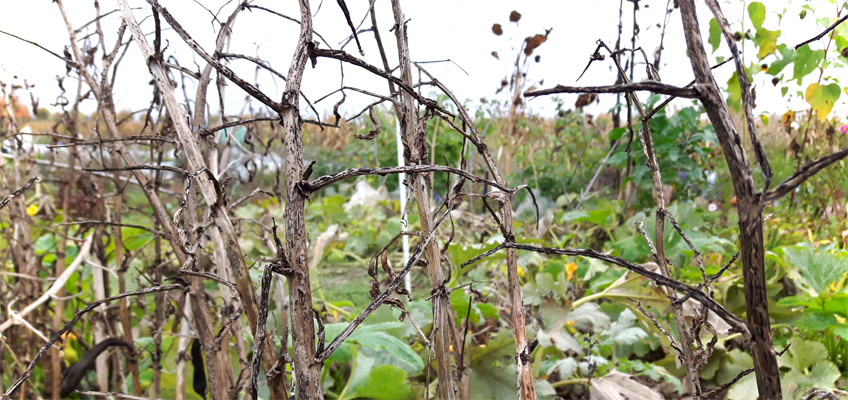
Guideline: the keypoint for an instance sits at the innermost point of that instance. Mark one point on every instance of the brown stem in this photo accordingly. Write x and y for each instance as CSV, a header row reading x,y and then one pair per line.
x,y
124,311
307,372
207,187
749,210
324,181
651,86
802,175
58,318
745,87
407,114
18,192
522,353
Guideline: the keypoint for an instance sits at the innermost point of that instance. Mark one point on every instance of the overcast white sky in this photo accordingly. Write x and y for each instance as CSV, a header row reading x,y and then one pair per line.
x,y
438,29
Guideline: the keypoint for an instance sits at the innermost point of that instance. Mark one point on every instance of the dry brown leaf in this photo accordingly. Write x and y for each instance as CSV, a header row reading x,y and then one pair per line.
x,y
514,16
495,54
497,30
787,119
535,41
584,100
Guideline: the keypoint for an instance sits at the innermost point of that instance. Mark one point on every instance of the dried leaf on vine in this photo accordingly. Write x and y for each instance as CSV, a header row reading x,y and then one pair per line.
x,y
535,41
377,126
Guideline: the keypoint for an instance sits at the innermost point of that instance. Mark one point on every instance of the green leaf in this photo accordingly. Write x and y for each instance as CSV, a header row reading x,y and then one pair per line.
x,y
821,375
565,367
822,98
44,244
394,346
757,12
766,41
598,217
804,354
616,133
734,91
588,317
715,35
623,331
786,57
745,388
817,269
816,322
375,337
836,304
617,385
806,61
384,382
573,215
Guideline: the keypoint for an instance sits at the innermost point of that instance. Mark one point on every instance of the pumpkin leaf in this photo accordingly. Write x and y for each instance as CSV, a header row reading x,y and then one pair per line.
x,y
757,13
822,98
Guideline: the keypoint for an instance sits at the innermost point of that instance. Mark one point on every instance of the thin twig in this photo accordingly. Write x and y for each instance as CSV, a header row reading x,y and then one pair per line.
x,y
394,284
28,372
144,167
109,140
806,172
326,180
825,32
208,275
17,193
672,342
727,384
651,86
93,222
735,322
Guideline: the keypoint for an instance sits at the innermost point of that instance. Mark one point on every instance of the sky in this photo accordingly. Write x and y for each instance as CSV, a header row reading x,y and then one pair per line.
x,y
438,30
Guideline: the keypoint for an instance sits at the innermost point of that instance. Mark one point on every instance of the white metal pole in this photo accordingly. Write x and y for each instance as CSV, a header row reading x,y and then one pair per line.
x,y
407,280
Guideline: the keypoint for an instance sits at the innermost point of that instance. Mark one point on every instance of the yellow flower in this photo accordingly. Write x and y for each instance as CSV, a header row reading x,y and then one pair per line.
x,y
31,210
570,326
482,346
569,270
335,314
840,320
520,271
70,355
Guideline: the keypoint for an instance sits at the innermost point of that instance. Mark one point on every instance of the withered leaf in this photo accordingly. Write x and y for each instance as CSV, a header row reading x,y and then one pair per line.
x,y
514,16
535,41
495,54
787,119
584,100
497,30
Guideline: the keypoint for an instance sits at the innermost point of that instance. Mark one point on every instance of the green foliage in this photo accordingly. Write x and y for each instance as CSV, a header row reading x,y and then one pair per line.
x,y
715,35
822,98
757,13
817,269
